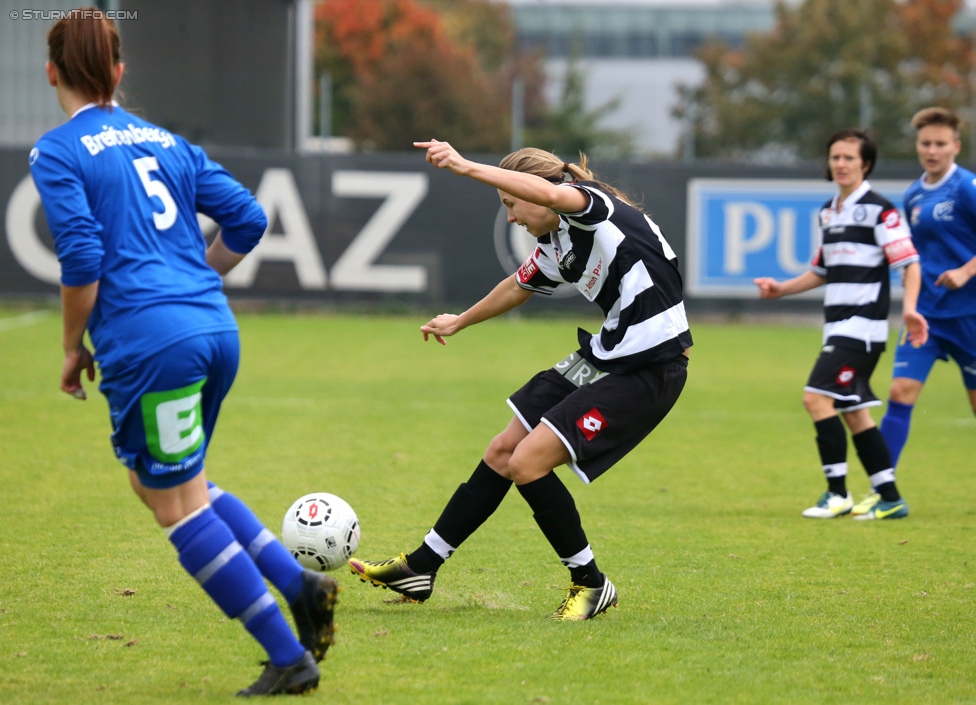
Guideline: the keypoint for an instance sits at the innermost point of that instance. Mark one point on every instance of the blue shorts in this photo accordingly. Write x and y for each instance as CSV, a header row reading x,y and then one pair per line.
x,y
948,337
165,407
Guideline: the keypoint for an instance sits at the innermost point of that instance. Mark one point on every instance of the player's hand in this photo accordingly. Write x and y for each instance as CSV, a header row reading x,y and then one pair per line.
x,y
769,288
76,362
440,327
953,278
444,156
917,327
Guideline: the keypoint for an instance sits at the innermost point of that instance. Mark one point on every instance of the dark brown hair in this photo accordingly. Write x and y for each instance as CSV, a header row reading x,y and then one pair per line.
x,y
84,47
869,152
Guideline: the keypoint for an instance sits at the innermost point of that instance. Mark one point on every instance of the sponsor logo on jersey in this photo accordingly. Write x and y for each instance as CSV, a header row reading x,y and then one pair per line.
x,y
596,275
32,157
943,211
899,250
891,218
527,270
846,376
825,216
916,211
112,137
566,261
591,423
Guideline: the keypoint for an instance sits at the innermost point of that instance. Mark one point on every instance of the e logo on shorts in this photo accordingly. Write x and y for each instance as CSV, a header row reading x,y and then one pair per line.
x,y
174,422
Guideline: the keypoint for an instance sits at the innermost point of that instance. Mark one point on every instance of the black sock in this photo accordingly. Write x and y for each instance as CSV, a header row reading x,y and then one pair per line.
x,y
875,457
588,575
469,507
555,512
832,444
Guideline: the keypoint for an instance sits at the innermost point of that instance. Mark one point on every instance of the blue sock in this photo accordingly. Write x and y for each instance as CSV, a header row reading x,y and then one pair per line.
x,y
272,559
208,551
894,427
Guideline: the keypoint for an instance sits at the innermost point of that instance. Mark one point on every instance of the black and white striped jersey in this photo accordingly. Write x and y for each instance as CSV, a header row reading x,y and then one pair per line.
x,y
860,243
616,257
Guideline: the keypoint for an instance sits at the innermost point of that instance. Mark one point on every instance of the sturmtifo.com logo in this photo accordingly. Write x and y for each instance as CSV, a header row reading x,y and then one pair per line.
x,y
513,245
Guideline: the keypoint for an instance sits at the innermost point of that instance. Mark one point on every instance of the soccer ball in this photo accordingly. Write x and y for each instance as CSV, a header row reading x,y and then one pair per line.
x,y
321,531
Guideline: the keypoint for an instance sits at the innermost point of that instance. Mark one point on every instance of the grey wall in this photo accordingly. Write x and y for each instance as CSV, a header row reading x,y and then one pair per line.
x,y
218,73
391,230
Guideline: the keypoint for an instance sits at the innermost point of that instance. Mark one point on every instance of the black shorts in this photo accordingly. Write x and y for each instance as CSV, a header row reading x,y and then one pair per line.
x,y
599,417
845,375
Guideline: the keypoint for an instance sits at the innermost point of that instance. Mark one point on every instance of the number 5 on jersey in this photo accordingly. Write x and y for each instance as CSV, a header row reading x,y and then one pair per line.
x,y
145,165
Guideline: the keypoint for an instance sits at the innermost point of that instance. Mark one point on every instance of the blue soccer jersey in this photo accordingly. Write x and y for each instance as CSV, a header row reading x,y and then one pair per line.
x,y
121,197
942,217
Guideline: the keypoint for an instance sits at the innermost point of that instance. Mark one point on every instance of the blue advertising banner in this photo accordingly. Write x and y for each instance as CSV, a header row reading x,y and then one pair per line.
x,y
740,229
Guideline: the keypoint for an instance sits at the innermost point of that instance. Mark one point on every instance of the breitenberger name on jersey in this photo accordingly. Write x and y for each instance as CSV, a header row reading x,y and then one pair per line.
x,y
110,137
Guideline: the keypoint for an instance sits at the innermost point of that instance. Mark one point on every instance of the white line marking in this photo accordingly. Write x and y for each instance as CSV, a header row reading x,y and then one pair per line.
x,y
23,320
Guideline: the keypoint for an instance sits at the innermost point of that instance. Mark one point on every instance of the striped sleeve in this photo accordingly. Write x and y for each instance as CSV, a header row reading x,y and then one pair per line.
x,y
599,209
895,239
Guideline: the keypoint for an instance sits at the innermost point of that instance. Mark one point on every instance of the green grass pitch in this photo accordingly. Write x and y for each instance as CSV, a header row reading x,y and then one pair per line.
x,y
727,595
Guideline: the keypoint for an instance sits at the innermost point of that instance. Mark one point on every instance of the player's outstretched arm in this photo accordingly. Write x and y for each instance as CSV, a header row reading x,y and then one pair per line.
x,y
504,297
769,288
527,187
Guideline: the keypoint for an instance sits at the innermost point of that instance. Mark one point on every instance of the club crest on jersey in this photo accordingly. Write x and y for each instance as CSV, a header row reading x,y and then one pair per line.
x,y
591,423
846,376
860,214
943,211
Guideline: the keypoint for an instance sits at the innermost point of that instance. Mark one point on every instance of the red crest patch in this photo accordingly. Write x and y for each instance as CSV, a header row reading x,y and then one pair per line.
x,y
891,218
846,376
591,423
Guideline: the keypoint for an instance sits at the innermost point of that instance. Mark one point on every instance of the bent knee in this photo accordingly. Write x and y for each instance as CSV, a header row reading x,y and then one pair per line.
x,y
521,472
497,456
904,390
817,404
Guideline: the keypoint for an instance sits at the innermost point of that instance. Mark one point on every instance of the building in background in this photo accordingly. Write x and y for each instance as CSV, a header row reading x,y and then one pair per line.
x,y
232,73
635,52
639,51
253,58
28,106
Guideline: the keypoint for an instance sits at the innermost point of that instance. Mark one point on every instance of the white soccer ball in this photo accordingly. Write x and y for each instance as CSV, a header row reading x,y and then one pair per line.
x,y
321,531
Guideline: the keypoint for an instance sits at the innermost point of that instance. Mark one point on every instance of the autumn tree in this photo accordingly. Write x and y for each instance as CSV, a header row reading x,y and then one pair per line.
x,y
403,71
828,64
